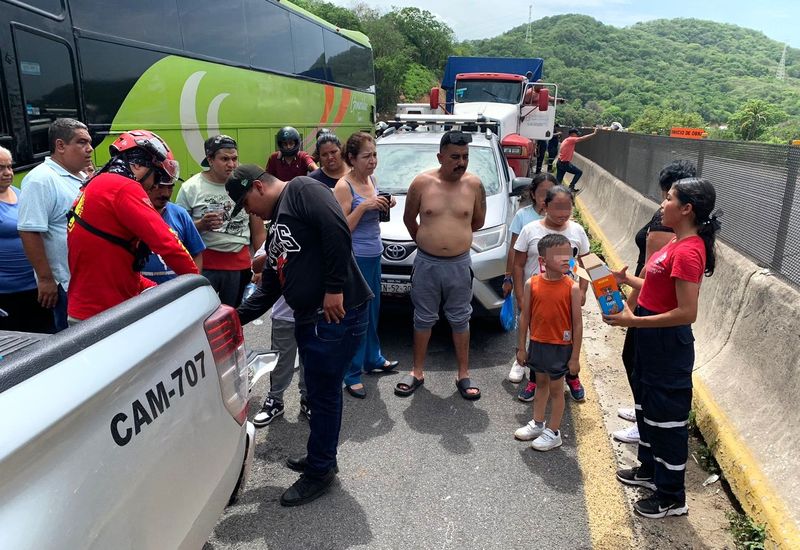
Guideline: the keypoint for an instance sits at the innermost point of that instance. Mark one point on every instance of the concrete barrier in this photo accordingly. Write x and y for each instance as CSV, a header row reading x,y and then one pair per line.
x,y
747,371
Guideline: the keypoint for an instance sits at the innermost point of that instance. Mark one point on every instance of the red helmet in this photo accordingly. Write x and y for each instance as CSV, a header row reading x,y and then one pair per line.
x,y
157,150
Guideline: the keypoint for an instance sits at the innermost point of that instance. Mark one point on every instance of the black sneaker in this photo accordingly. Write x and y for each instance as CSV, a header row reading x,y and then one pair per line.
x,y
631,476
657,508
306,489
270,410
299,464
305,410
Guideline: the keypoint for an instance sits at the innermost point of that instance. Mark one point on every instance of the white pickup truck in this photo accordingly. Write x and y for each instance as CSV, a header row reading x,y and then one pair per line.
x,y
128,430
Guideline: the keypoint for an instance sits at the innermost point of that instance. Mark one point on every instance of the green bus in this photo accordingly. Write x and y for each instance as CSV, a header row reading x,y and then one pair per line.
x,y
186,69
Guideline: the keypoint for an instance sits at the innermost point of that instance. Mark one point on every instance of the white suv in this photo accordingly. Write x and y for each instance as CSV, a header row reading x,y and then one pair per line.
x,y
405,153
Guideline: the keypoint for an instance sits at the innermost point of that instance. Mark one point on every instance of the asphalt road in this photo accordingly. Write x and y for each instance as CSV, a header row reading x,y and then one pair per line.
x,y
430,471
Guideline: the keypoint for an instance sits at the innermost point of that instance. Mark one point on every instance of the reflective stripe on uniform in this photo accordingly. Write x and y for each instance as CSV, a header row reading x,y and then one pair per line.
x,y
668,466
676,424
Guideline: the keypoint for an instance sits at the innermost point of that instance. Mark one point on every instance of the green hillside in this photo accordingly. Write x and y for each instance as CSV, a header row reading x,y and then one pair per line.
x,y
684,65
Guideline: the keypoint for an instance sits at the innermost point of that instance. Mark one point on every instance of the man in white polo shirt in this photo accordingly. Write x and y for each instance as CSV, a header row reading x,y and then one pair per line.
x,y
47,194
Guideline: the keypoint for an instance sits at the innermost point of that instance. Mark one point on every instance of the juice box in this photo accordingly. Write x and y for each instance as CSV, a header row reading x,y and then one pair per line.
x,y
604,285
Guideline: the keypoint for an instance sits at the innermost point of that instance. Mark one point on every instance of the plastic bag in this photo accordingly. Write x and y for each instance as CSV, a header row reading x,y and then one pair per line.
x,y
508,313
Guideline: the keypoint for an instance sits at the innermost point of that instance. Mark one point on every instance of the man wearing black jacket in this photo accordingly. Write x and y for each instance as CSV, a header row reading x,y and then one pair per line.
x,y
310,262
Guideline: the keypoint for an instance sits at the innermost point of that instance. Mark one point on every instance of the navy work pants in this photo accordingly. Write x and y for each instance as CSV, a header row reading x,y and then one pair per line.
x,y
568,168
326,350
662,382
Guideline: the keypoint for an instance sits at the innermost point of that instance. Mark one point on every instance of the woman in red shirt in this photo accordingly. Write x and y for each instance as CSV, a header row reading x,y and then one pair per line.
x,y
667,299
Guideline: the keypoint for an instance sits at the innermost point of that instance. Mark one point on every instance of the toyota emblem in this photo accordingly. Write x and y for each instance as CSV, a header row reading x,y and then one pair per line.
x,y
395,252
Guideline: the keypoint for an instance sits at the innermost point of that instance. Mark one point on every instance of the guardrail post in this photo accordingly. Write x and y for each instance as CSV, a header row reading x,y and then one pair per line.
x,y
792,172
701,153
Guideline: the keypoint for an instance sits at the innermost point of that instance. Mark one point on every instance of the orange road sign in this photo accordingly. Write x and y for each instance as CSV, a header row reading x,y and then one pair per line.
x,y
688,133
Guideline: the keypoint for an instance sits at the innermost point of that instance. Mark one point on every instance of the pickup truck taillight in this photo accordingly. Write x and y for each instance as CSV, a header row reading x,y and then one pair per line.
x,y
224,333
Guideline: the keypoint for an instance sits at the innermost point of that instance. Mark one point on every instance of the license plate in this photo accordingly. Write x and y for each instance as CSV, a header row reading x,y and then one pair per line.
x,y
395,287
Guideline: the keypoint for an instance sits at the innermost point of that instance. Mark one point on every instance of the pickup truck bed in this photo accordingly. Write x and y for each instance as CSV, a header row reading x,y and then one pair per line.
x,y
13,342
126,430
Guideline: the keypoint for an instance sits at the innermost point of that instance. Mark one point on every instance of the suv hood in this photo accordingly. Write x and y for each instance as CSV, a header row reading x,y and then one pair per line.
x,y
395,230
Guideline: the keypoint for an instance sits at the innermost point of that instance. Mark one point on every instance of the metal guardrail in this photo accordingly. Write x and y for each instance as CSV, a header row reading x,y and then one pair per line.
x,y
756,187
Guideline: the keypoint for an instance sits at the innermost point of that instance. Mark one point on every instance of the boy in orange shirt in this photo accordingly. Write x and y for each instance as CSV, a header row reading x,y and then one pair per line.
x,y
551,310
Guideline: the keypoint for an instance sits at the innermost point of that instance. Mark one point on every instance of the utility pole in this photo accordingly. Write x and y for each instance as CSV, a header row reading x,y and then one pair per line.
x,y
528,34
781,74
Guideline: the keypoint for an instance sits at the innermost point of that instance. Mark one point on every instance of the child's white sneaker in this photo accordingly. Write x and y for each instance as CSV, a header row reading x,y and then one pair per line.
x,y
517,373
629,435
627,414
529,431
548,440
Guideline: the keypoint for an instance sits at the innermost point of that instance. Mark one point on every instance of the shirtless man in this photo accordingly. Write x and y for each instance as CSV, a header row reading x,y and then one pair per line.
x,y
451,204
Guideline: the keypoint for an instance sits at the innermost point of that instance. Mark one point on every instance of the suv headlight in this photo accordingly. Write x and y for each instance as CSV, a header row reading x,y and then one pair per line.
x,y
489,238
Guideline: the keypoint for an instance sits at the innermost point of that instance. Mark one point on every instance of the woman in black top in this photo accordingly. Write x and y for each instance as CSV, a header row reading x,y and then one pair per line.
x,y
653,236
331,164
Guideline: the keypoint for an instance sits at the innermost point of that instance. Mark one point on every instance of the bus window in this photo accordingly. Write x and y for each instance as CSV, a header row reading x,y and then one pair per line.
x,y
309,49
349,64
148,21
214,29
4,127
48,85
269,37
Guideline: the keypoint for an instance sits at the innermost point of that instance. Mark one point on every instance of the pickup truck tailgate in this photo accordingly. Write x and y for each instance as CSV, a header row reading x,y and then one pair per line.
x,y
124,440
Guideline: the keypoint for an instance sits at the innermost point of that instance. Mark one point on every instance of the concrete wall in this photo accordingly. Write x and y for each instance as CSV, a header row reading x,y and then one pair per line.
x,y
747,371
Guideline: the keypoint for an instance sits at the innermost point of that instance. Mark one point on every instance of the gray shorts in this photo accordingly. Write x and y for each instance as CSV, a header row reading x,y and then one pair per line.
x,y
438,280
549,359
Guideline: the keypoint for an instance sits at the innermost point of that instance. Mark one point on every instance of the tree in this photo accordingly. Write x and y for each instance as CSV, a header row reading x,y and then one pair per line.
x,y
659,120
431,40
753,119
417,82
336,15
393,57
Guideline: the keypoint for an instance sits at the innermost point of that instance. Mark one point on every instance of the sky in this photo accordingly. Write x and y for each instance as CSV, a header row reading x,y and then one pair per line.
x,y
471,19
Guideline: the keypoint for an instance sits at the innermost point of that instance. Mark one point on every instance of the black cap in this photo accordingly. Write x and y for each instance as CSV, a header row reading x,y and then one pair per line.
x,y
214,144
240,182
574,131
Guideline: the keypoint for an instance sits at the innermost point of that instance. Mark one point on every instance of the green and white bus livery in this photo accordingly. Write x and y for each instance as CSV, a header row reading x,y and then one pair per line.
x,y
186,69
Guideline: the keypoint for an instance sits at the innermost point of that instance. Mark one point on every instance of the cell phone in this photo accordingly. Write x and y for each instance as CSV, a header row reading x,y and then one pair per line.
x,y
385,216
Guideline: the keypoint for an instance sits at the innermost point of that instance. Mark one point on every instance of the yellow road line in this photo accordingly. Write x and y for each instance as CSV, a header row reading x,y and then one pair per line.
x,y
610,524
744,474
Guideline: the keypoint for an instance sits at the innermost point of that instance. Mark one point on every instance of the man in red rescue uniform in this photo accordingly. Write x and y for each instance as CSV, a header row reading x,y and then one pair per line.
x,y
111,221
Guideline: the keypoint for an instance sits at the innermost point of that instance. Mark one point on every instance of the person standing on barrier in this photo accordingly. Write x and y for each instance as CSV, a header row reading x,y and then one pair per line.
x,y
653,236
664,345
565,156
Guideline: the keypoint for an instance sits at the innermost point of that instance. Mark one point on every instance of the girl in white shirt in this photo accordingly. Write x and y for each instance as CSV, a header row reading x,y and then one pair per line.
x,y
558,210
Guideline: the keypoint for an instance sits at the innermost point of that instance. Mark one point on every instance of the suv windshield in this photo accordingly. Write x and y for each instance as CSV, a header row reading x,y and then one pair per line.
x,y
399,163
472,91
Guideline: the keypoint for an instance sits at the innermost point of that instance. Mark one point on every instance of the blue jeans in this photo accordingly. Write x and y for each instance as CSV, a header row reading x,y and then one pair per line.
x,y
60,311
326,350
368,356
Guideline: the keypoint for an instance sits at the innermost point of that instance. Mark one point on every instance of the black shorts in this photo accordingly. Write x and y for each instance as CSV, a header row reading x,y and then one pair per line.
x,y
549,359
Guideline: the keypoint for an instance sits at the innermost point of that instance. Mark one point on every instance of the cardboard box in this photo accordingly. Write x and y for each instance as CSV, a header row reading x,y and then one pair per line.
x,y
603,283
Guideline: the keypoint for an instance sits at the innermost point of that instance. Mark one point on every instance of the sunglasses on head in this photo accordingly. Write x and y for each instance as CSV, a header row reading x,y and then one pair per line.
x,y
457,138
